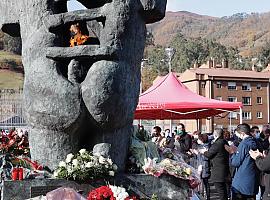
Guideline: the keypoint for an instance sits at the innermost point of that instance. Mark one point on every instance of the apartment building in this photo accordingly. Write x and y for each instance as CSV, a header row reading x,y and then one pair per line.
x,y
221,83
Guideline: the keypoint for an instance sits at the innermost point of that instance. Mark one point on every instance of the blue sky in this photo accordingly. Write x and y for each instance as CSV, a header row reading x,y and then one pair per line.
x,y
216,8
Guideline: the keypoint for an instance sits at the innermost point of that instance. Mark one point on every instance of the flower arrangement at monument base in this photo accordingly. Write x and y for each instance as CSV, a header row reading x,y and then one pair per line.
x,y
15,162
14,142
174,168
110,192
84,167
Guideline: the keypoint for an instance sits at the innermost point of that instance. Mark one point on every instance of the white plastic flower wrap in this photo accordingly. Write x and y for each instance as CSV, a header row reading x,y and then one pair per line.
x,y
151,167
174,168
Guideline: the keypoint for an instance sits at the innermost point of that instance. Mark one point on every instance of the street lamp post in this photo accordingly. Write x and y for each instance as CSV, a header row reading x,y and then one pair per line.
x,y
170,52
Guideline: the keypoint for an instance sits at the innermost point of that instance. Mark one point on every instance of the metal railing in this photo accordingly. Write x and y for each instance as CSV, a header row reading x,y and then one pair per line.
x,y
11,108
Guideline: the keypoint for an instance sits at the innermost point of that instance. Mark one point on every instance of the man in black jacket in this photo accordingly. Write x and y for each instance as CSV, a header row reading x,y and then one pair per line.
x,y
183,138
220,160
263,164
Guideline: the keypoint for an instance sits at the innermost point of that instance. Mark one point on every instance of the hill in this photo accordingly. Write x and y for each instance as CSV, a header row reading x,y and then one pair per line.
x,y
11,71
10,79
247,32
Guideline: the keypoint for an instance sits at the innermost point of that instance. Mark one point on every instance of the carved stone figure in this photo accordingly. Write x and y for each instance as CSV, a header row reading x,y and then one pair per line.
x,y
76,97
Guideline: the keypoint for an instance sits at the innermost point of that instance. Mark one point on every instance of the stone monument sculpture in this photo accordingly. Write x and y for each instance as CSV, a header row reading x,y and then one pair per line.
x,y
76,97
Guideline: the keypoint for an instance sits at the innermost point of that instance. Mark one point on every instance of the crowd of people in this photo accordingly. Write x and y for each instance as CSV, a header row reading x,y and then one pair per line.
x,y
237,163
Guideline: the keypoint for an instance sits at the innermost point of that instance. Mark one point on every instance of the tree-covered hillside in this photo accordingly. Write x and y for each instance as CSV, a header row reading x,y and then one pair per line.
x,y
246,32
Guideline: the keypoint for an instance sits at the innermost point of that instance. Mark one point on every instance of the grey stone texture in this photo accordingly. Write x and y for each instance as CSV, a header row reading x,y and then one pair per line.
x,y
165,187
19,190
102,149
77,97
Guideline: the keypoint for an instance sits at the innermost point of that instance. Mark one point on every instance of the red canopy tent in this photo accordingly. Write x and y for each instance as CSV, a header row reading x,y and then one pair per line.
x,y
171,99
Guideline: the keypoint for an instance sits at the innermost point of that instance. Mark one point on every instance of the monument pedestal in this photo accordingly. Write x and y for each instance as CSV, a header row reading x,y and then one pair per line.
x,y
165,187
25,189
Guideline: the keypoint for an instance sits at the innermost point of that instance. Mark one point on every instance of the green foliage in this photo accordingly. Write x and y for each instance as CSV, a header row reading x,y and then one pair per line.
x,y
189,51
154,197
264,56
148,76
156,59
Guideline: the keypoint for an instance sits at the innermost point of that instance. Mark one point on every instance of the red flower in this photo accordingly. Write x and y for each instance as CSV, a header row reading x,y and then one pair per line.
x,y
11,142
101,193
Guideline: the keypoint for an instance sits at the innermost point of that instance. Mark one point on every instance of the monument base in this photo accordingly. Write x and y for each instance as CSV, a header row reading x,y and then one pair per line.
x,y
165,187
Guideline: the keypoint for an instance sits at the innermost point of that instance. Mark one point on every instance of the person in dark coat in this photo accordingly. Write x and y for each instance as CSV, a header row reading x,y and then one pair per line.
x,y
183,142
263,163
220,160
245,184
263,139
204,164
255,132
183,138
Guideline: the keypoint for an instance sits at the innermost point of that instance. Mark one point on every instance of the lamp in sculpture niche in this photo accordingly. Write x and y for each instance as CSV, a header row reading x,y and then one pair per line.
x,y
68,109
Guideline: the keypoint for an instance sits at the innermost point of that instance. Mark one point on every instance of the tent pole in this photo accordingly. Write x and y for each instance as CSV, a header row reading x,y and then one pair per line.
x,y
197,123
230,121
170,125
241,116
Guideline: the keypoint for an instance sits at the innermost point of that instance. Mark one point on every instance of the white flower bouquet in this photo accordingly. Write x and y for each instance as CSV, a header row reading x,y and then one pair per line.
x,y
84,166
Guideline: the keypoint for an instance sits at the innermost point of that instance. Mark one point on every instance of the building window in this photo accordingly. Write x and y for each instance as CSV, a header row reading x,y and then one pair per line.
x,y
259,100
203,84
259,115
231,85
246,87
246,100
219,98
259,86
232,99
232,115
204,128
246,115
219,85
